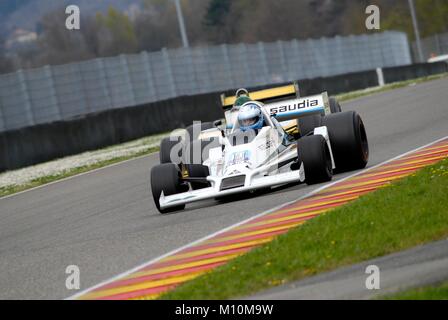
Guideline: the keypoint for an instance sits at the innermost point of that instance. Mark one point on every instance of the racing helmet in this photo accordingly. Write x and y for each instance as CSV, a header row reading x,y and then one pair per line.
x,y
242,96
250,117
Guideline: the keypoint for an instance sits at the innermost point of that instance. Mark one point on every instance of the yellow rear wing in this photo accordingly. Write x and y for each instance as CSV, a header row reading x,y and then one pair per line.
x,y
265,95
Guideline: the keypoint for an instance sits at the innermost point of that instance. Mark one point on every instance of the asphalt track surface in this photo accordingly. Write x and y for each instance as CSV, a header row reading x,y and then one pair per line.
x,y
105,222
420,266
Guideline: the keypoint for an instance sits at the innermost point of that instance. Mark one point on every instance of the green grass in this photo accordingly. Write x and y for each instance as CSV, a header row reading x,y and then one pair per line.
x,y
396,85
435,292
407,213
6,191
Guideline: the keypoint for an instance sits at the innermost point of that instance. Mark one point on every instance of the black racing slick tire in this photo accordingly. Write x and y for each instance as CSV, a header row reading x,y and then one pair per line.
x,y
307,124
313,152
197,171
348,140
166,146
166,178
335,107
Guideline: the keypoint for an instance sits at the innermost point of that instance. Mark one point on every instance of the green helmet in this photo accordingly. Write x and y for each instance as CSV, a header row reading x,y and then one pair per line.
x,y
241,100
242,96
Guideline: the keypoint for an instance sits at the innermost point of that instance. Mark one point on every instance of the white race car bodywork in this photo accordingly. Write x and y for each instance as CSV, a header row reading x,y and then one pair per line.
x,y
263,162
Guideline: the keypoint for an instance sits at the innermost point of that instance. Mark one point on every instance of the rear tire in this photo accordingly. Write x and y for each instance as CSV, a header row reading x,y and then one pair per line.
x,y
348,139
166,178
335,107
314,153
307,124
166,145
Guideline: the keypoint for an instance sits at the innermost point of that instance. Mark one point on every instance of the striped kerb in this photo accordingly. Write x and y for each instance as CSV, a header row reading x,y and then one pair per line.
x,y
152,280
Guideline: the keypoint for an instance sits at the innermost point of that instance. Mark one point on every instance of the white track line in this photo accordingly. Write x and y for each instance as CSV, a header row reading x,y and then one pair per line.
x,y
173,252
76,176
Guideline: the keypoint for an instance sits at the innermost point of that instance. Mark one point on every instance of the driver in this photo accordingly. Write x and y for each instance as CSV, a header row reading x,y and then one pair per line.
x,y
250,117
242,96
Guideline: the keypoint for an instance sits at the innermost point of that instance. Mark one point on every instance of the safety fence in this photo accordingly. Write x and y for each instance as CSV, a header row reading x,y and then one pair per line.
x,y
435,45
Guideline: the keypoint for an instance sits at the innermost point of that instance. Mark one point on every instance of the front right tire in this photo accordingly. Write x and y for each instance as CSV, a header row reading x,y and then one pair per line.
x,y
166,178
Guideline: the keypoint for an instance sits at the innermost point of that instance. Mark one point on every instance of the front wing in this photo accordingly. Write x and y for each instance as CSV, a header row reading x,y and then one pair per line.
x,y
215,190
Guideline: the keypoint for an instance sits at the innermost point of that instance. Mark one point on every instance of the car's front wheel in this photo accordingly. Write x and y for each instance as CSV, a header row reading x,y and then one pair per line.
x,y
313,152
166,178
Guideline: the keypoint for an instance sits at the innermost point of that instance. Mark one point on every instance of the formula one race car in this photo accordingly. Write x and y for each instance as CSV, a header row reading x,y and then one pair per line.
x,y
297,140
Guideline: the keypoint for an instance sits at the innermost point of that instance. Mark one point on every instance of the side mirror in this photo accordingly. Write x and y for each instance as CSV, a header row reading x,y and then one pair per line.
x,y
217,123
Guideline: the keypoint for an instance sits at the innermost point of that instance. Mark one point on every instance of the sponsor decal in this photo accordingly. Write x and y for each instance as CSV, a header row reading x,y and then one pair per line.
x,y
307,103
239,157
266,146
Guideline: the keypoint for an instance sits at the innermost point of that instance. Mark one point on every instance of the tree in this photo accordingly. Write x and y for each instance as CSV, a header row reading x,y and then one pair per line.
x,y
432,17
217,12
6,64
57,44
157,25
117,33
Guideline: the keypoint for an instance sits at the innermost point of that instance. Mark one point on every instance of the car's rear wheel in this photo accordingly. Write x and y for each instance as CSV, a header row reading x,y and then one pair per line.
x,y
348,139
307,124
166,178
335,107
166,146
314,153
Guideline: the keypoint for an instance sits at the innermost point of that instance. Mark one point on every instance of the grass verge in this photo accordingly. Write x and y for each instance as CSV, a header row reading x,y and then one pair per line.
x,y
435,292
402,215
6,191
388,87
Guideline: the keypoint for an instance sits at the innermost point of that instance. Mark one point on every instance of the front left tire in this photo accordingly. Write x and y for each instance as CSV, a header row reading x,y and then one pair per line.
x,y
313,152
